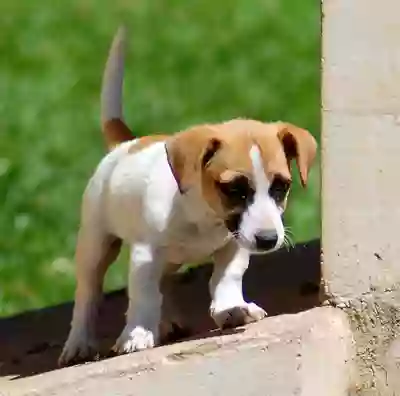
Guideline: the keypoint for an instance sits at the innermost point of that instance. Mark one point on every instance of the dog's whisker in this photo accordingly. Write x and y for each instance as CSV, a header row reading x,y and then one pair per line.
x,y
289,231
288,242
289,238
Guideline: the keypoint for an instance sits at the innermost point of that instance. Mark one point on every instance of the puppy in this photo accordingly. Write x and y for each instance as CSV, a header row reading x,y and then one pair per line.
x,y
213,190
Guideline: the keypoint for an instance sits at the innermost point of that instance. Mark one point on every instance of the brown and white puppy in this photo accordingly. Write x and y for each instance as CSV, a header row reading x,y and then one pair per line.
x,y
214,190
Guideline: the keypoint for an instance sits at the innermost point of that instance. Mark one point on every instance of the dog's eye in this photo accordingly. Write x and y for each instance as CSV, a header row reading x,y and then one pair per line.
x,y
279,189
237,192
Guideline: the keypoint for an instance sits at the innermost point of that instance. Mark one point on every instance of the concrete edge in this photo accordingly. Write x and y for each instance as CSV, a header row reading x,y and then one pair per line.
x,y
320,325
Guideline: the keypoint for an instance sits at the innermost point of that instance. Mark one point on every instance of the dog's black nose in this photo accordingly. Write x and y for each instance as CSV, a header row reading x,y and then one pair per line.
x,y
266,240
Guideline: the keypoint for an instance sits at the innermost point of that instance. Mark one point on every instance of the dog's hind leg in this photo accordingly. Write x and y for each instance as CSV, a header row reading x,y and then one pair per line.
x,y
173,326
95,251
141,331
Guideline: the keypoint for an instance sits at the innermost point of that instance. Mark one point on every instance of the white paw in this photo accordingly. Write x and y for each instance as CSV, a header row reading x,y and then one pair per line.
x,y
237,316
78,348
135,339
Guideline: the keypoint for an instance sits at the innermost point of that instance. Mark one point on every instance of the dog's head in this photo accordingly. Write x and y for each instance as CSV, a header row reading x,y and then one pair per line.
x,y
242,170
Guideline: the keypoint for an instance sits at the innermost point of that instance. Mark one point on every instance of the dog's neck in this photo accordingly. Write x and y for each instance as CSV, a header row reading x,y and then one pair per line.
x,y
196,210
176,177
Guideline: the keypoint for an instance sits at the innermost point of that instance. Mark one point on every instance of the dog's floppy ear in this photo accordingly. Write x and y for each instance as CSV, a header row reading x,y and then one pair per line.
x,y
190,152
298,143
210,150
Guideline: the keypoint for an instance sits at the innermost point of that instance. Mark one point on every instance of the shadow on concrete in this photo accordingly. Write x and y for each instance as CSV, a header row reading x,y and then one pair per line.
x,y
287,281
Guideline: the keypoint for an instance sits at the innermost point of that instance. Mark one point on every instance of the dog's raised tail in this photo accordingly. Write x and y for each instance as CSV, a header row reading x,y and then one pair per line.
x,y
112,122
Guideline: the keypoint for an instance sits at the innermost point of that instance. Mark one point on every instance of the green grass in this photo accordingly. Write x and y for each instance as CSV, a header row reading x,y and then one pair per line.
x,y
188,62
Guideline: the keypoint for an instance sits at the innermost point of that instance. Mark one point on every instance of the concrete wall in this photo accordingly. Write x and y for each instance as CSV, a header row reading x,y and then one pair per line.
x,y
361,157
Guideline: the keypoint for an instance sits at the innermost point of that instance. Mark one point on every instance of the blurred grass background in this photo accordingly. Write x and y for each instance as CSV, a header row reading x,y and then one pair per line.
x,y
188,62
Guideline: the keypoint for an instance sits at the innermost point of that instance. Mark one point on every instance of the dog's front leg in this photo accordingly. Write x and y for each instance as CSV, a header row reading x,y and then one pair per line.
x,y
228,307
144,311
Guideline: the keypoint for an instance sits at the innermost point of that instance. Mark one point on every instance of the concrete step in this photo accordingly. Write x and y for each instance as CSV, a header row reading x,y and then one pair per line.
x,y
306,354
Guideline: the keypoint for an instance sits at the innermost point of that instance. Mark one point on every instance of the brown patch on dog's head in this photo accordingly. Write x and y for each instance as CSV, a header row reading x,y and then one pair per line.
x,y
216,159
279,143
205,155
